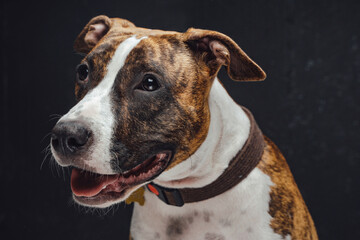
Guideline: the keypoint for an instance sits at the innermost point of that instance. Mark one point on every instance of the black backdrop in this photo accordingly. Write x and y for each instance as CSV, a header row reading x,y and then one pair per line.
x,y
309,104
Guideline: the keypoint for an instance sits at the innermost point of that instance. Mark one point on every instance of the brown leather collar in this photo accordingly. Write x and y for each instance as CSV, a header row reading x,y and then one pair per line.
x,y
239,167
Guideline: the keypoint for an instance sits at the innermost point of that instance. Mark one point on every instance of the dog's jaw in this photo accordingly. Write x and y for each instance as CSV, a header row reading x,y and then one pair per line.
x,y
96,190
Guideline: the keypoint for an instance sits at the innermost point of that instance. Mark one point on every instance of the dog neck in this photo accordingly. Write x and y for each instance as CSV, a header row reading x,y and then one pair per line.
x,y
228,131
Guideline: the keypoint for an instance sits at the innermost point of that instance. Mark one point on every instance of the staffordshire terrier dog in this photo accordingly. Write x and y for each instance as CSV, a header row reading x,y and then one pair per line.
x,y
153,123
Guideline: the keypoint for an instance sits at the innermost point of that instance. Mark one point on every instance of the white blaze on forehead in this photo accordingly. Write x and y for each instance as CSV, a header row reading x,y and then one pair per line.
x,y
95,110
116,63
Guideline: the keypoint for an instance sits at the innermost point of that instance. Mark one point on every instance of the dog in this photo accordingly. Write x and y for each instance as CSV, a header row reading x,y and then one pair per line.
x,y
153,119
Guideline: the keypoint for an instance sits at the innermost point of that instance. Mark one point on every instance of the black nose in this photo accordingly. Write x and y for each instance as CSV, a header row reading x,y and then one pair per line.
x,y
69,137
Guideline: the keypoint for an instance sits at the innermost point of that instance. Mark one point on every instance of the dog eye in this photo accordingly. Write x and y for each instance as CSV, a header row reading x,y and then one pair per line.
x,y
82,72
149,83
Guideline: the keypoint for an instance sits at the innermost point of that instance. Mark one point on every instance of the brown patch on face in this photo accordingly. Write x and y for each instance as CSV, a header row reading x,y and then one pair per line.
x,y
287,208
176,116
191,92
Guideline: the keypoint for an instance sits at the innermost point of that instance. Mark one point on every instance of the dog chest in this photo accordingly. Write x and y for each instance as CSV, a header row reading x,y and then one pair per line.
x,y
241,212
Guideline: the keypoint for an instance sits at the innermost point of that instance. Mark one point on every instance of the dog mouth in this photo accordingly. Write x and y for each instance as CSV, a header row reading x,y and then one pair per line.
x,y
90,188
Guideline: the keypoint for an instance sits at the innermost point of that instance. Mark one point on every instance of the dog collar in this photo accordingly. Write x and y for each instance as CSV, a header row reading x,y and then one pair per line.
x,y
239,167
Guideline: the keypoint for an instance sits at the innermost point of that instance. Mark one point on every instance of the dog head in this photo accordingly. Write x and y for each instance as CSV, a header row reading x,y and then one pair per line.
x,y
143,104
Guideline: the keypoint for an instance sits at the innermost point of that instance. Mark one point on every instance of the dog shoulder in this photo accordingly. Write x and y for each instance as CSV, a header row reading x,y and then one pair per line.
x,y
287,208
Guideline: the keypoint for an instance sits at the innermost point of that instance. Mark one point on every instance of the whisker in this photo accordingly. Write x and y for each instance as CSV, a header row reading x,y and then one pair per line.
x,y
47,152
52,165
48,134
63,174
55,115
57,167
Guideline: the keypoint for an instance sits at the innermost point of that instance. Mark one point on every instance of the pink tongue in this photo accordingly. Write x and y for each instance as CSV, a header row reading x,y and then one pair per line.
x,y
85,184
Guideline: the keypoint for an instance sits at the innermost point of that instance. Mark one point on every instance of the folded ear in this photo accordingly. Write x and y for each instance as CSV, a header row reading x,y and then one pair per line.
x,y
217,49
95,30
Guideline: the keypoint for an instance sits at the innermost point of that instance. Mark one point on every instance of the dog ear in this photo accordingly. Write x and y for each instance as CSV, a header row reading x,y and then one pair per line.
x,y
217,49
95,30
92,33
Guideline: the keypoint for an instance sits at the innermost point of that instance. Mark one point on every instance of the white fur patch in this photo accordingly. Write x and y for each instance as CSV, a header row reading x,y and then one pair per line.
x,y
95,109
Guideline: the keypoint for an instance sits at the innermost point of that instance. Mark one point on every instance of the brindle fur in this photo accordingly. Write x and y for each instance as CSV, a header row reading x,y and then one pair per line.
x,y
287,207
171,120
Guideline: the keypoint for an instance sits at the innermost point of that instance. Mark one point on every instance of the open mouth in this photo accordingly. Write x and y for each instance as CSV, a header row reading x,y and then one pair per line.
x,y
90,188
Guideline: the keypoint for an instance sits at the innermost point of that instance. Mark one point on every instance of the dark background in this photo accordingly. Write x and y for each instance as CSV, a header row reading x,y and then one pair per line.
x,y
309,104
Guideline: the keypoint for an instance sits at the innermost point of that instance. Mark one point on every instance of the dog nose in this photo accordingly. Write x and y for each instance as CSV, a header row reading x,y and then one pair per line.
x,y
69,137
